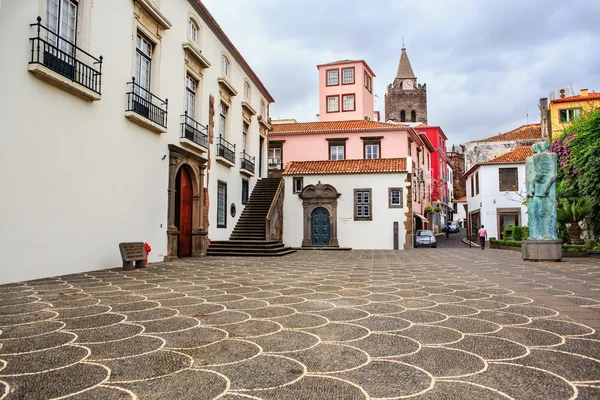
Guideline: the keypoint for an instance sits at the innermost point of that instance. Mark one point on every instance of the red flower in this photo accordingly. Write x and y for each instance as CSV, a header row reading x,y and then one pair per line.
x,y
148,248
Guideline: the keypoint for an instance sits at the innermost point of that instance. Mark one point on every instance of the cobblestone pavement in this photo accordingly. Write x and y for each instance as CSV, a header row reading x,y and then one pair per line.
x,y
429,323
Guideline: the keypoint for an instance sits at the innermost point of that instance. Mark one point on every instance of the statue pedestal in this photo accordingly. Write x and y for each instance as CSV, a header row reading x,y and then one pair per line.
x,y
541,250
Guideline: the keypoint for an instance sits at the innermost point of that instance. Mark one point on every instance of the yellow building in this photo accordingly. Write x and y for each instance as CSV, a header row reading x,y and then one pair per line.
x,y
566,109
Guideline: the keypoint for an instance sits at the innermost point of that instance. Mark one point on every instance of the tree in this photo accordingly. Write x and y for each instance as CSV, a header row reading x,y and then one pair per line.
x,y
572,212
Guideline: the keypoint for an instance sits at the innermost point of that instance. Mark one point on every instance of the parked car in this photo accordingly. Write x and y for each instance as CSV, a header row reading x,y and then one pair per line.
x,y
454,228
425,238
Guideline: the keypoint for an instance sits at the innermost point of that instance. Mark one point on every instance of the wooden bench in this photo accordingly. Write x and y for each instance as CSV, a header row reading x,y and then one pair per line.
x,y
133,252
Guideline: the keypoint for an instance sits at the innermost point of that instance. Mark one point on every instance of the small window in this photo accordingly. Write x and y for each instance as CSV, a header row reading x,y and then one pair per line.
x,y
472,187
348,102
225,65
275,158
348,76
223,120
333,104
298,184
244,136
362,205
428,163
221,204
193,31
477,183
245,190
569,115
509,179
247,90
395,198
372,150
191,85
333,77
368,81
413,116
336,151
402,116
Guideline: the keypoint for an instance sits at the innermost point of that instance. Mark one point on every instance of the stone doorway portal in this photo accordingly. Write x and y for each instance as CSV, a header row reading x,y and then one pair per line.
x,y
324,198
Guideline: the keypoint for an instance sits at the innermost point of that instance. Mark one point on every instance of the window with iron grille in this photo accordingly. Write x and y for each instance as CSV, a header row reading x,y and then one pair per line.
x,y
509,179
62,21
221,204
143,62
362,205
245,189
223,120
395,198
191,85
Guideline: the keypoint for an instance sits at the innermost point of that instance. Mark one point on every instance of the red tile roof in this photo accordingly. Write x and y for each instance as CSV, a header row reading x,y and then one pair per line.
x,y
219,32
525,132
516,156
589,97
334,127
341,167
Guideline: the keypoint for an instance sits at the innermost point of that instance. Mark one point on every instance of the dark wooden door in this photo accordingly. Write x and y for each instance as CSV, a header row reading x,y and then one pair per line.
x,y
320,227
185,213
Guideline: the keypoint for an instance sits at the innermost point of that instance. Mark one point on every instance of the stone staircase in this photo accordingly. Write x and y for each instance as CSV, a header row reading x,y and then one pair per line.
x,y
249,235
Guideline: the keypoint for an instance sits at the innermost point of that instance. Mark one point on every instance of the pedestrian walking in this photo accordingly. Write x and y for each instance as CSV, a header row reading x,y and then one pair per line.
x,y
482,236
447,230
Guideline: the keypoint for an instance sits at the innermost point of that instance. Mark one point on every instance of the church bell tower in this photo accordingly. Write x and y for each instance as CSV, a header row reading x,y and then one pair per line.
x,y
405,100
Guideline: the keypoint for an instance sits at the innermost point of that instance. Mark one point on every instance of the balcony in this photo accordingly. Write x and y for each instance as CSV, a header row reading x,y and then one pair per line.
x,y
194,133
145,109
247,165
275,163
225,152
62,64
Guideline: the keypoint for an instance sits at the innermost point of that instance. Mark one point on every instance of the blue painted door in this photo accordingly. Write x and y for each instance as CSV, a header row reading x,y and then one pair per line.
x,y
320,227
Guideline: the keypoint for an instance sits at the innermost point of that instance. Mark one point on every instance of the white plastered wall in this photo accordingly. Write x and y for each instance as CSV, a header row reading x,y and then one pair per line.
x,y
375,234
78,177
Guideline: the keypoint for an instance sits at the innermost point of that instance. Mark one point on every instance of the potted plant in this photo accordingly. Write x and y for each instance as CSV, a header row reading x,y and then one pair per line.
x,y
572,212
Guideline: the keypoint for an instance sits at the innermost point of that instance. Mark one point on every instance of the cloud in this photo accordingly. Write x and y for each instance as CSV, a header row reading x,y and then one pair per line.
x,y
486,63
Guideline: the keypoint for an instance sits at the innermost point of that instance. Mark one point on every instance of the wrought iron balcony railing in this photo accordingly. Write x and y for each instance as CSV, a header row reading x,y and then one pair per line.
x,y
144,103
226,150
247,162
194,131
65,58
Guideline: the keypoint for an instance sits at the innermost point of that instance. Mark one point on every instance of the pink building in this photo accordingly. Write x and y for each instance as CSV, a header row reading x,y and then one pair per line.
x,y
356,140
345,91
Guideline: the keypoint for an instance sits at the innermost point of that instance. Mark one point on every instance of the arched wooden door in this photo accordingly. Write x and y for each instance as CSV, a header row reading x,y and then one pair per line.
x,y
183,212
320,227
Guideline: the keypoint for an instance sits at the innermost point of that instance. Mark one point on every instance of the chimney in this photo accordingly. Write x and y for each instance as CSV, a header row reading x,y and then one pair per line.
x,y
583,92
545,118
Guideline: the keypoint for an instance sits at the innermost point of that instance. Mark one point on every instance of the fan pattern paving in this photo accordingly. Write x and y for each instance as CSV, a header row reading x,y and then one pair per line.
x,y
322,325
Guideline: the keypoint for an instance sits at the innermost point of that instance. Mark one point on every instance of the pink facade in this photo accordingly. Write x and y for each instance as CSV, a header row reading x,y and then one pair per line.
x,y
345,91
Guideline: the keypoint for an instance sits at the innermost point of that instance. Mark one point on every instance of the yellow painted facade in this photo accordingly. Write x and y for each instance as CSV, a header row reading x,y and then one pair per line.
x,y
563,111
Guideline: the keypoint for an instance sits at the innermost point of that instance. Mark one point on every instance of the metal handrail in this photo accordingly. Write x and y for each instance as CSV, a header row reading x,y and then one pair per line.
x,y
247,162
68,64
144,104
226,150
194,130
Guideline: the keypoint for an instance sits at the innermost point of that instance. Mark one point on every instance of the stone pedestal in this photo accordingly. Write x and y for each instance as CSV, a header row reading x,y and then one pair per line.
x,y
541,250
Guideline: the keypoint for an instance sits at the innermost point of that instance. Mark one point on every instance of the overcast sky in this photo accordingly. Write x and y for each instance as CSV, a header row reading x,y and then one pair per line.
x,y
486,62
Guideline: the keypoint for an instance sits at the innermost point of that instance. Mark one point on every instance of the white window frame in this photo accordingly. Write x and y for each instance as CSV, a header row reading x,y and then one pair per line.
x,y
348,76
191,86
144,50
193,31
336,152
372,151
247,90
221,204
245,127
223,111
571,114
225,65
57,12
335,106
333,80
298,184
262,109
345,97
395,194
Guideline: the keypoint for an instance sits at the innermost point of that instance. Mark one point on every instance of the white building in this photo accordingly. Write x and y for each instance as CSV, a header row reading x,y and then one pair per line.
x,y
460,209
361,204
495,190
92,157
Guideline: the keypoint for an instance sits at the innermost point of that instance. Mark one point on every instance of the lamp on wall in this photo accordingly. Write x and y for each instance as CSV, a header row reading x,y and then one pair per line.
x,y
163,157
